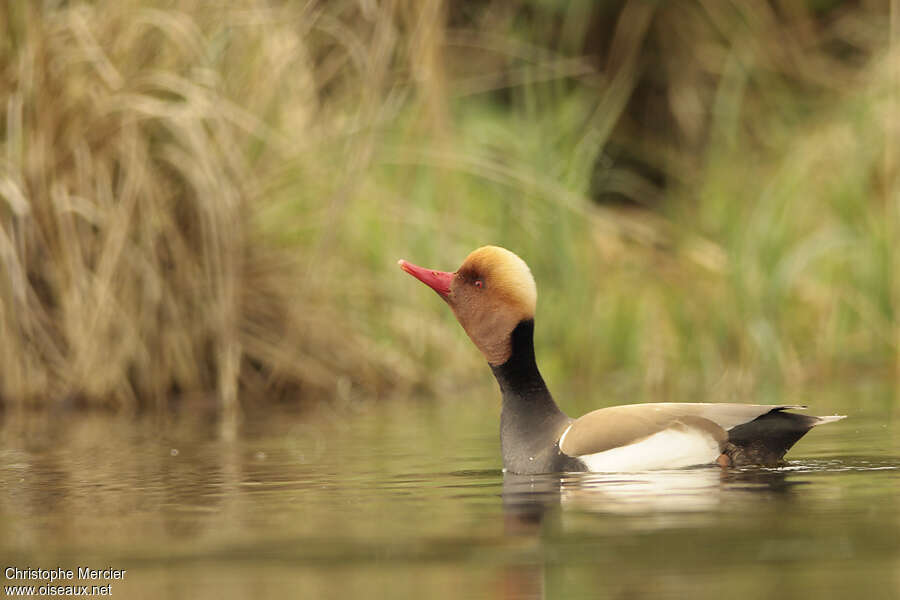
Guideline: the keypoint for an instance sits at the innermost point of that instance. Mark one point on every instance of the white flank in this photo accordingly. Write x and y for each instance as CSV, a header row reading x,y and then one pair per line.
x,y
668,449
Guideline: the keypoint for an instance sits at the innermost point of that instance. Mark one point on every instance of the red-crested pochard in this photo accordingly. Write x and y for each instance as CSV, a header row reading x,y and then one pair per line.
x,y
493,295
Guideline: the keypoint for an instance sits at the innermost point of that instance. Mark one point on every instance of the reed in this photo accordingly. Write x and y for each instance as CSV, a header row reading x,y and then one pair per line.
x,y
208,202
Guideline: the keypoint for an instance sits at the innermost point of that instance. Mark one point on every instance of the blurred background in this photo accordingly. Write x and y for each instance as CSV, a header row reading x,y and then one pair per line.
x,y
206,201
202,205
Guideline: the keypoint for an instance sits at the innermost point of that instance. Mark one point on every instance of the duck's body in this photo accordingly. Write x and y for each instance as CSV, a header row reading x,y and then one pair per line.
x,y
537,437
493,296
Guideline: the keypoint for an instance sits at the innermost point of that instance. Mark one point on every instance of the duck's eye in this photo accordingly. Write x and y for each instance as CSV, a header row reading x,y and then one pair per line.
x,y
478,283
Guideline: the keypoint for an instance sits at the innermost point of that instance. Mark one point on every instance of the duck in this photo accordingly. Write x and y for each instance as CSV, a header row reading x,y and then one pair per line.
x,y
494,297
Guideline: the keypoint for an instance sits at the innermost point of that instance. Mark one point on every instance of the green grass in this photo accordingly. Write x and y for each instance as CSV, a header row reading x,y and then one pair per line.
x,y
210,202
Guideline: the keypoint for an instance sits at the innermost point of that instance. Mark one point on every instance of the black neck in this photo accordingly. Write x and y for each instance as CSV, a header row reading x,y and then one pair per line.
x,y
531,421
519,378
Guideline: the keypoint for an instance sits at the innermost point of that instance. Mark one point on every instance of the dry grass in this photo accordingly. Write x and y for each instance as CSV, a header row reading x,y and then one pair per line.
x,y
140,146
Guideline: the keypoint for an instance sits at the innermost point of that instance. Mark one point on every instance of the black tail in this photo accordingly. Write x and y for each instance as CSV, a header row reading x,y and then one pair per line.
x,y
766,439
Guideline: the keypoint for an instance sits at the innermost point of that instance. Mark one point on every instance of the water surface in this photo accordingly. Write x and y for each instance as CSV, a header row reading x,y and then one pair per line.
x,y
406,499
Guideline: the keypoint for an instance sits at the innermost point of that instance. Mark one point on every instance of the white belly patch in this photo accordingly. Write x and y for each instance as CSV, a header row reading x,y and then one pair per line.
x,y
668,449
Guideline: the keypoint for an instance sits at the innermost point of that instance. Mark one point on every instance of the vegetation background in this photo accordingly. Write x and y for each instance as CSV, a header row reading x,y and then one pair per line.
x,y
207,200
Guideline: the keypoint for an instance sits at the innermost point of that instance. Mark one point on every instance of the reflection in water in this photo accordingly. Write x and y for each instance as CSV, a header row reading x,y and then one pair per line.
x,y
527,497
661,499
409,498
686,490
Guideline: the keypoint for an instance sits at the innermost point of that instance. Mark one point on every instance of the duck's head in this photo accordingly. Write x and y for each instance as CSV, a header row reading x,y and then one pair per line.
x,y
490,294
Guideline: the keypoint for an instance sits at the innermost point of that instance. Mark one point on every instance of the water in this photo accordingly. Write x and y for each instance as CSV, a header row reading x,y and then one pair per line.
x,y
406,499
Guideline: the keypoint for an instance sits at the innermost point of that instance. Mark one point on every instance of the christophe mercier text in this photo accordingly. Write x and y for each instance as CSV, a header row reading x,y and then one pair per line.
x,y
60,576
51,575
